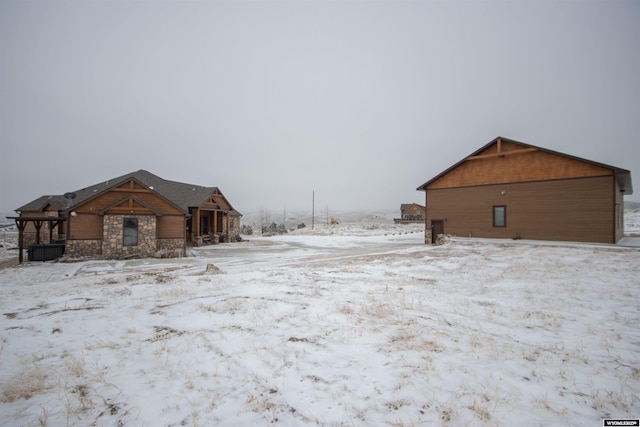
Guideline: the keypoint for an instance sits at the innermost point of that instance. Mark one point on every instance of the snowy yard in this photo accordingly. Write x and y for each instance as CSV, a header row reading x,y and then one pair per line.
x,y
359,327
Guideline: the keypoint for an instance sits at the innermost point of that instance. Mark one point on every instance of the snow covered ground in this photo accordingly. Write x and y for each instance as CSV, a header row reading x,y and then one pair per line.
x,y
359,324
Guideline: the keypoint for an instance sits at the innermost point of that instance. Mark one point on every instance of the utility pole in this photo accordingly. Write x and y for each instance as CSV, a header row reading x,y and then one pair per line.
x,y
313,209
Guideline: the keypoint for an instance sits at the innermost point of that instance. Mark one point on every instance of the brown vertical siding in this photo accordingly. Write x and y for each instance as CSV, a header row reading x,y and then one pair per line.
x,y
619,212
427,229
580,209
85,227
171,227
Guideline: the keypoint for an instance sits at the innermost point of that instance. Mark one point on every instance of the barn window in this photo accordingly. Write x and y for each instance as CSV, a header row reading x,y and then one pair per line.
x,y
130,232
499,216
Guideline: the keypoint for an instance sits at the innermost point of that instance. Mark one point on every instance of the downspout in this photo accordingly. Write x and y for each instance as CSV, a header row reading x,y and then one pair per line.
x,y
426,218
185,218
67,236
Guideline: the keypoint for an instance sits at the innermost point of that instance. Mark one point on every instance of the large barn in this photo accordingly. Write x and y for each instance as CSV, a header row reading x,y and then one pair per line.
x,y
508,189
135,215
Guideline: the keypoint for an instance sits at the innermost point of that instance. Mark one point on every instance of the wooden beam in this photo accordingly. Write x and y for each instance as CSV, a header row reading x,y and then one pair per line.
x,y
502,154
197,223
38,225
21,225
130,190
123,210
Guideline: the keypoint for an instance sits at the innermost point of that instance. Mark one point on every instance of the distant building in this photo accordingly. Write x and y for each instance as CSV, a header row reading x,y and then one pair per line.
x,y
508,189
135,215
410,213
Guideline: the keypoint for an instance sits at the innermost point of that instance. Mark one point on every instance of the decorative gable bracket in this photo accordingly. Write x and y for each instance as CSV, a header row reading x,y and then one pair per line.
x,y
130,205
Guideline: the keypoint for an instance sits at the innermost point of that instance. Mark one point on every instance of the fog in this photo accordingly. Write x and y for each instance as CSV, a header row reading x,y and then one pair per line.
x,y
358,103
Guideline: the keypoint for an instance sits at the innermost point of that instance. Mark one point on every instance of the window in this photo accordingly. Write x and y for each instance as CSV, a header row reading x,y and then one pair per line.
x,y
130,232
499,216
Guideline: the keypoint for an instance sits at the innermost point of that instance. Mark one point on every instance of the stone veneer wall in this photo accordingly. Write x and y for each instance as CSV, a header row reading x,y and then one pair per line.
x,y
427,236
171,248
83,248
29,237
112,237
166,248
234,227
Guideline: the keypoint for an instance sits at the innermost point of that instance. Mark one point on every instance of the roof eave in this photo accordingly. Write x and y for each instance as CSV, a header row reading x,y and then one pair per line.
x,y
622,175
624,181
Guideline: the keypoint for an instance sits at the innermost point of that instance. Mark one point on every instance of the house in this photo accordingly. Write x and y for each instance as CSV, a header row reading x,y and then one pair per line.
x,y
410,213
508,189
135,215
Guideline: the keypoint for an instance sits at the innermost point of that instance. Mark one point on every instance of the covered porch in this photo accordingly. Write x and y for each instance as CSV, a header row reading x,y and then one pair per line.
x,y
51,249
208,226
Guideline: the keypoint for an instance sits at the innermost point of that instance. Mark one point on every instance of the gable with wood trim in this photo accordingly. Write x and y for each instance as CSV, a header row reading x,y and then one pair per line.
x,y
410,213
508,189
135,215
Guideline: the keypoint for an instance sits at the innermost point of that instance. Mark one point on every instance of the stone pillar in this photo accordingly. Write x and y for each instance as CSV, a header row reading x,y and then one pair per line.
x,y
427,235
170,248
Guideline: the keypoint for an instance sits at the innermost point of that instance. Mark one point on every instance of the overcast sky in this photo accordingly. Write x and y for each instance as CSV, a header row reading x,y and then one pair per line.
x,y
360,101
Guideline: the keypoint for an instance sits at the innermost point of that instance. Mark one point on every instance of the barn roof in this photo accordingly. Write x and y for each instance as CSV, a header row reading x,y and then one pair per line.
x,y
181,194
622,175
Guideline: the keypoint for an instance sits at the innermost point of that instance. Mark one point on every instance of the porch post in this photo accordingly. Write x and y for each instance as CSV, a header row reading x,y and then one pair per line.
x,y
215,222
38,225
21,226
196,227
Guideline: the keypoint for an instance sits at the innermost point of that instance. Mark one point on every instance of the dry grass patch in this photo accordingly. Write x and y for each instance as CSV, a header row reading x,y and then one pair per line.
x,y
31,380
175,293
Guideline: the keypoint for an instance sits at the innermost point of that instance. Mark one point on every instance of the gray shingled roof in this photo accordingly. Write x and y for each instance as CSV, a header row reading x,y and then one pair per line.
x,y
58,202
180,194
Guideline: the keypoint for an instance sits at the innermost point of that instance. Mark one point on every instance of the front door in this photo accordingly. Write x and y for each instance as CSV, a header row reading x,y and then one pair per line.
x,y
437,228
204,224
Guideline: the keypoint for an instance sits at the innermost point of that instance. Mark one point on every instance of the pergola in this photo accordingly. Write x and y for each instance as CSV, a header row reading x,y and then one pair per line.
x,y
38,221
